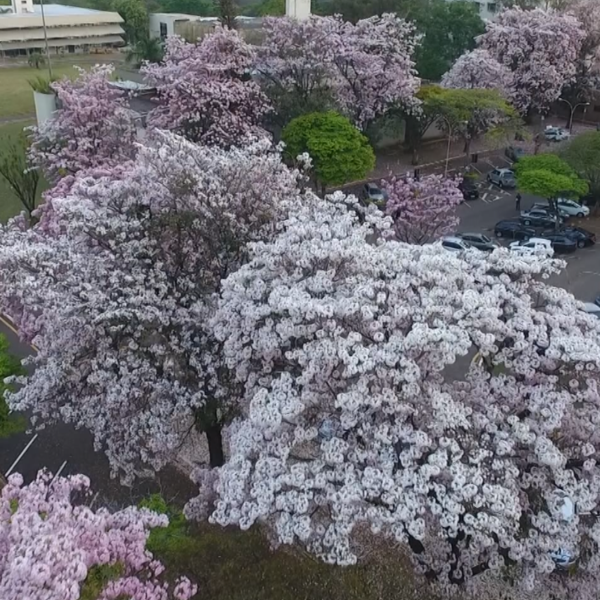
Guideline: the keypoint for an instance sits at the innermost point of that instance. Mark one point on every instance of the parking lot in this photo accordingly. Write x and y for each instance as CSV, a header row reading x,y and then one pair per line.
x,y
582,275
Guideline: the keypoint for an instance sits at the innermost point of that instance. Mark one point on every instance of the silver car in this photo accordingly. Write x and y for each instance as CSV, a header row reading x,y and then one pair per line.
x,y
504,178
372,193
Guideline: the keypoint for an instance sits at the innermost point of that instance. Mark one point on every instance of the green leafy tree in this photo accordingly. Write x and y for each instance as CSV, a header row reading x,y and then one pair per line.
x,y
449,29
417,123
471,113
272,8
36,59
148,49
18,174
583,156
354,10
135,15
340,153
201,8
9,366
227,11
550,177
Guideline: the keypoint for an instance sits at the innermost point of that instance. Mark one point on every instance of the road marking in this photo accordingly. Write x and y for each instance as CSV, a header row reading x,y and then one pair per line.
x,y
94,500
60,470
590,273
484,196
6,321
21,455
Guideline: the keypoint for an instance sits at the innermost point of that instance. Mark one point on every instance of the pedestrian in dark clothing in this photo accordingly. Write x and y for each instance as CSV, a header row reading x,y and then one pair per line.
x,y
518,202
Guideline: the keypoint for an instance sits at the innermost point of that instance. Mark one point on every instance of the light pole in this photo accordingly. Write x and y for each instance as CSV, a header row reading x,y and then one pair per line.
x,y
46,40
449,126
572,110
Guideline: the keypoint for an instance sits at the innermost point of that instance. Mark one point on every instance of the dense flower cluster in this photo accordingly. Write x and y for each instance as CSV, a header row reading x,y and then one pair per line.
x,y
49,545
366,67
478,69
117,297
359,412
205,89
92,128
540,48
423,210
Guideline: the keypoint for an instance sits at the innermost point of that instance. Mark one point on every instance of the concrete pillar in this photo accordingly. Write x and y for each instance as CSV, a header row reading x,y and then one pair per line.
x,y
297,9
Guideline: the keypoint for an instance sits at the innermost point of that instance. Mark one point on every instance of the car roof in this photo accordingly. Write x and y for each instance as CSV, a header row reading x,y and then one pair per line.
x,y
590,307
452,238
505,170
471,233
372,185
509,222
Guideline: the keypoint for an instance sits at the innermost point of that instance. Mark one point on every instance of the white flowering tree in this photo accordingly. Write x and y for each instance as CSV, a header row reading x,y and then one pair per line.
x,y
360,418
116,290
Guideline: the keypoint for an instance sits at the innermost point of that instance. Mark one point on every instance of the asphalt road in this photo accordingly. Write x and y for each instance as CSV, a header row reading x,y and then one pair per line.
x,y
61,448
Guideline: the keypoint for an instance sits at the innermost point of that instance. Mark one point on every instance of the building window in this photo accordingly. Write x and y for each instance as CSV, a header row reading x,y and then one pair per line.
x,y
163,31
491,7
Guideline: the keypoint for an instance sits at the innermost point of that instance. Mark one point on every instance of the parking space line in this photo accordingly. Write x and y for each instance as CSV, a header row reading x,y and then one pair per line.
x,y
94,500
10,469
60,470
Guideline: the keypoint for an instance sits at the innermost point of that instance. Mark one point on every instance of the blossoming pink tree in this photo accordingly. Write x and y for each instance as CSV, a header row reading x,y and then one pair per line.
x,y
49,545
478,69
206,91
423,210
364,416
93,127
362,69
118,297
540,48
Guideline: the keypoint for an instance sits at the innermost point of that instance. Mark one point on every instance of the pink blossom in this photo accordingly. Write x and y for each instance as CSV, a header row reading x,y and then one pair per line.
x,y
205,89
49,544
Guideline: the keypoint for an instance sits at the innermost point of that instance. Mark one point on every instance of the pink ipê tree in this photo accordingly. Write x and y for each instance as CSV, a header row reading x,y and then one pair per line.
x,y
364,415
115,287
93,127
50,543
423,209
206,90
540,48
478,69
361,69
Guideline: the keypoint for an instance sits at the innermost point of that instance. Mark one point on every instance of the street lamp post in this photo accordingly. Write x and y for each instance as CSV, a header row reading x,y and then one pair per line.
x,y
572,110
449,126
46,39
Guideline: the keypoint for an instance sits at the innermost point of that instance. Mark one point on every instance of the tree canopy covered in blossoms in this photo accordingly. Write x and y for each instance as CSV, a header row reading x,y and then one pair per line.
x,y
117,297
356,419
205,89
49,544
478,69
92,128
423,209
540,48
362,69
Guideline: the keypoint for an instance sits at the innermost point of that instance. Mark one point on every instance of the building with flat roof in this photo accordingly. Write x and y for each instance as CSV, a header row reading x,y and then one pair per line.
x,y
69,29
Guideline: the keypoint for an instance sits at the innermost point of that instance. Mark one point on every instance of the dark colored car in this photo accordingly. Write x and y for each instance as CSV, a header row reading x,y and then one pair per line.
x,y
560,242
469,189
540,217
582,237
514,153
479,241
513,229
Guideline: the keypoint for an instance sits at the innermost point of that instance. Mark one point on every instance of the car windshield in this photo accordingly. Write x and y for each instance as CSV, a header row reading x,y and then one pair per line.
x,y
485,238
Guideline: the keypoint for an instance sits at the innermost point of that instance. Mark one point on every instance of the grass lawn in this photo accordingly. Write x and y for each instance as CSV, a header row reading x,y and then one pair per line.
x,y
16,95
9,203
228,564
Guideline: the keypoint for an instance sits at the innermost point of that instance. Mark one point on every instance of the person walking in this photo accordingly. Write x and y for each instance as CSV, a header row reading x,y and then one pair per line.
x,y
518,201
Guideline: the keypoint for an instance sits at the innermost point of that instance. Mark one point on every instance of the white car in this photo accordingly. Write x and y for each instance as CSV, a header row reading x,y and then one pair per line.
x,y
569,208
556,134
591,309
532,247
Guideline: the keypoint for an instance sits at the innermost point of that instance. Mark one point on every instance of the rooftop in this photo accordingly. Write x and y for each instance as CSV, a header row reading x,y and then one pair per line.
x,y
52,10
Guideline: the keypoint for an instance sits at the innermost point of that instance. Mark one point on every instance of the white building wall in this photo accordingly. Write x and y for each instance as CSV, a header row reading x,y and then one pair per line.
x,y
297,9
22,6
488,9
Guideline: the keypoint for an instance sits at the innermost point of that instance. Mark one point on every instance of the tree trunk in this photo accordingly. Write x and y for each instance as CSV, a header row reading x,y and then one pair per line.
x,y
467,146
215,446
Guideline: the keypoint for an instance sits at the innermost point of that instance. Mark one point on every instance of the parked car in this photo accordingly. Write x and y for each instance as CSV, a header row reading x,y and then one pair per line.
x,y
550,210
479,241
561,243
469,189
513,229
556,134
540,217
454,243
582,237
532,246
514,153
504,178
372,193
567,207
592,308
